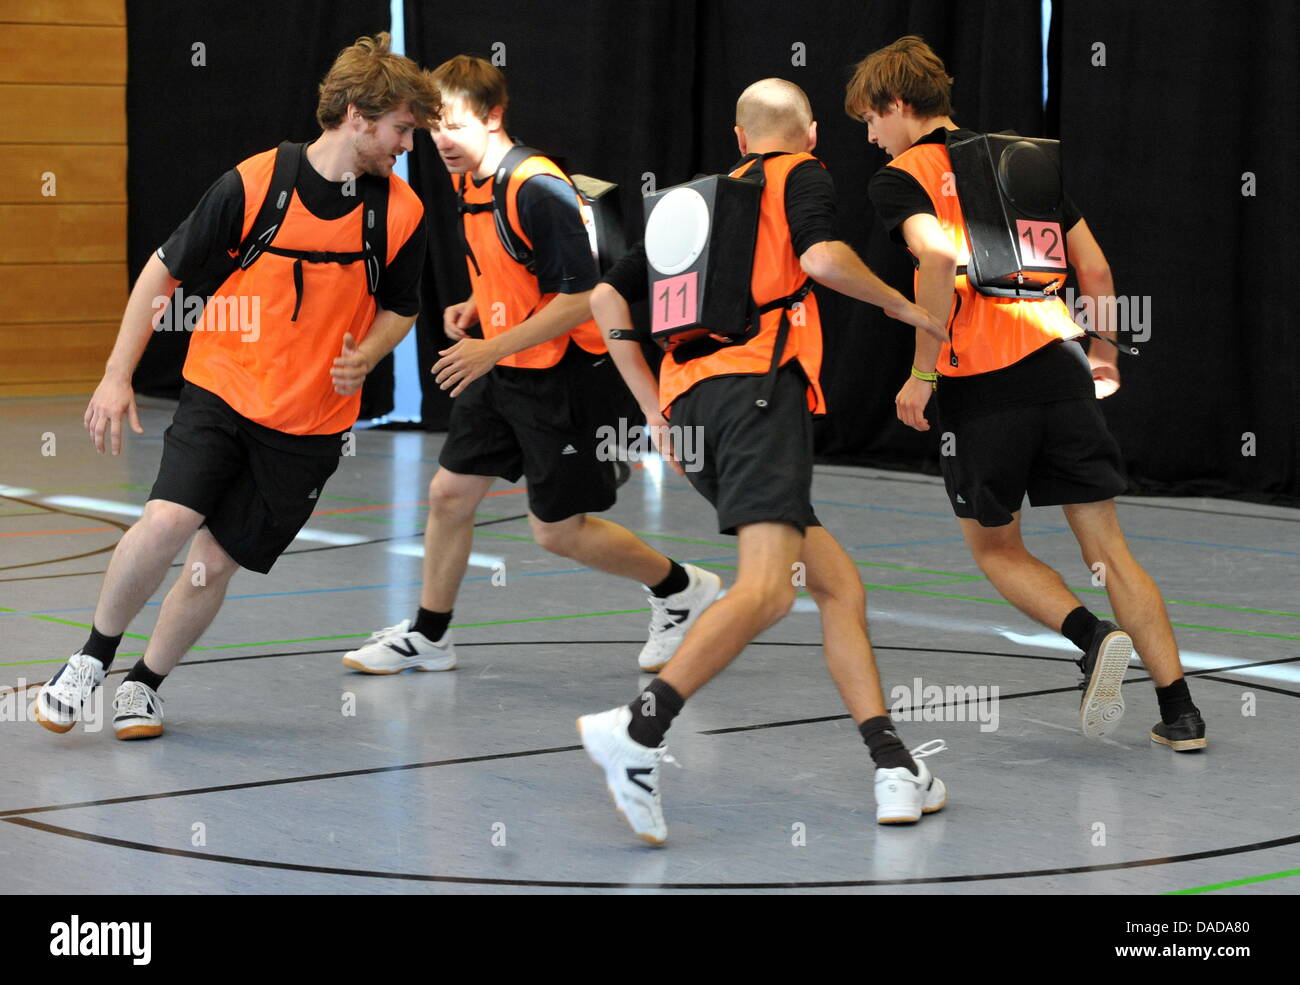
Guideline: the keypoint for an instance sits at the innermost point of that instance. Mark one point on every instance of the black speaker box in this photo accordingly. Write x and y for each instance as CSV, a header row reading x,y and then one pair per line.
x,y
1011,197
699,244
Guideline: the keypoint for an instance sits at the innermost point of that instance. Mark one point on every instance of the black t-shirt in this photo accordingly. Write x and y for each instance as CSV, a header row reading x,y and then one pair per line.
x,y
549,215
1054,372
809,209
898,196
217,222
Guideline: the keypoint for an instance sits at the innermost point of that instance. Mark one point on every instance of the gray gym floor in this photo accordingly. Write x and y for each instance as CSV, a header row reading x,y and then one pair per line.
x,y
281,772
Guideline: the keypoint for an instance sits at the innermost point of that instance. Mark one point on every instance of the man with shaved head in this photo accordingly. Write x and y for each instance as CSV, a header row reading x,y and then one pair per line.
x,y
753,402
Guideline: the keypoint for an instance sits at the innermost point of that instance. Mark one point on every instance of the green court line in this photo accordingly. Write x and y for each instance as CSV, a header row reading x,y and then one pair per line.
x,y
1205,605
66,622
1236,882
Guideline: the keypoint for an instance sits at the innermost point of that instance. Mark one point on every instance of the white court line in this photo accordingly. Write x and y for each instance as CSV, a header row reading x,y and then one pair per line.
x,y
476,560
99,505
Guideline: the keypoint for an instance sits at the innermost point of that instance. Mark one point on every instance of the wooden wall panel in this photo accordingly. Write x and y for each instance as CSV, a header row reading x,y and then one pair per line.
x,y
103,12
63,255
82,174
63,54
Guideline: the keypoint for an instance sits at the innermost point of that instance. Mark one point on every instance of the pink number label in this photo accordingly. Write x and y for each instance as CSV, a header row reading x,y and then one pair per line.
x,y
1043,246
672,302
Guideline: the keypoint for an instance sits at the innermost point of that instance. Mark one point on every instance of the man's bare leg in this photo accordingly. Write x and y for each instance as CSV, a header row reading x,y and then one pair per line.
x,y
140,561
761,596
836,587
1133,595
448,535
192,603
1023,580
605,546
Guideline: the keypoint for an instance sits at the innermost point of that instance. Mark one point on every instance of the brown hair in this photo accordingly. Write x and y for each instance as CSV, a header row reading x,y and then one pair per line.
x,y
908,70
476,80
370,77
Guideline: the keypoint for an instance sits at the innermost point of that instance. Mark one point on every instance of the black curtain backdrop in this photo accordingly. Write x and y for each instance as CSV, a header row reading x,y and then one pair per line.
x,y
1191,98
644,91
1161,141
187,123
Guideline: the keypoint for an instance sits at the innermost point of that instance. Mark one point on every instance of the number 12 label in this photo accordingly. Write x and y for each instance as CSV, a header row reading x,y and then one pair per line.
x,y
672,302
1040,244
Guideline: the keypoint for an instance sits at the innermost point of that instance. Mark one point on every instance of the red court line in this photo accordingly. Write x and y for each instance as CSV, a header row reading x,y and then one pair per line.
x,y
391,506
48,533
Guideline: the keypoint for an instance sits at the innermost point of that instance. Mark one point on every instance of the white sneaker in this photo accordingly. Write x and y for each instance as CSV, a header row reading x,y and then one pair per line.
x,y
670,618
631,770
398,648
138,711
63,696
902,796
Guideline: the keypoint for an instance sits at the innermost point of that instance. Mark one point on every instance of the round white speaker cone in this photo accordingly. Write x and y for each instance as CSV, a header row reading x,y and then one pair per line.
x,y
677,231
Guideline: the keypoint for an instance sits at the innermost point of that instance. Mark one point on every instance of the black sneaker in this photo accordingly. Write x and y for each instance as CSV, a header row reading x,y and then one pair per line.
x,y
1103,666
1185,734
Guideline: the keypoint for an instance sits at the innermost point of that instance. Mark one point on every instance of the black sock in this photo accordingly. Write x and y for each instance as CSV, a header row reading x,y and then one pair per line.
x,y
676,581
1174,700
653,710
432,624
887,749
1079,627
102,648
145,676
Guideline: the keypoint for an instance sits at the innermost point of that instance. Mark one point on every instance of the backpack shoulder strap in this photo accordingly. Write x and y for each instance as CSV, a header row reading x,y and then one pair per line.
x,y
374,228
288,159
514,244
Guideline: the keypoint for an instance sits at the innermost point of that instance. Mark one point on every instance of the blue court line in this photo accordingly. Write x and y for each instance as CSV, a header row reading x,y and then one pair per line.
x,y
885,509
1206,543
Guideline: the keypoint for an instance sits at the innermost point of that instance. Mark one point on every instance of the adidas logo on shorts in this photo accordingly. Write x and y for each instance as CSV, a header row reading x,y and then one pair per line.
x,y
569,450
314,493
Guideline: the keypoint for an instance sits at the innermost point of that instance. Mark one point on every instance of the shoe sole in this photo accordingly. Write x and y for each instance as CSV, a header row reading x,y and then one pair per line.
x,y
912,820
1180,745
686,627
1103,704
649,839
139,732
52,725
358,665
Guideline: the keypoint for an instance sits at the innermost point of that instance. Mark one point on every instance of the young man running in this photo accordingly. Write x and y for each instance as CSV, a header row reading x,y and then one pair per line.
x,y
528,393
274,370
757,468
1016,394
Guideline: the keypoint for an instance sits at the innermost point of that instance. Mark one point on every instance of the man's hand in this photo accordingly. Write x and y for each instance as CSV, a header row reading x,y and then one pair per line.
x,y
350,368
464,363
457,318
1105,370
911,401
112,399
913,314
663,440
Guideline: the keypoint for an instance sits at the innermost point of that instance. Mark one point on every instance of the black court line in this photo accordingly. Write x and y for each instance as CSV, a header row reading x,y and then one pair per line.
x,y
591,884
179,564
5,689
431,764
937,481
18,817
71,557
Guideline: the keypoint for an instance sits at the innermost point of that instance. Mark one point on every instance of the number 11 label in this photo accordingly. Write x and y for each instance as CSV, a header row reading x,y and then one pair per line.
x,y
672,302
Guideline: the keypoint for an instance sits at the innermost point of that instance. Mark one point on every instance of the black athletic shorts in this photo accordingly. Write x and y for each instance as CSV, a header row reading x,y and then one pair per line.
x,y
541,424
1059,453
757,463
255,496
